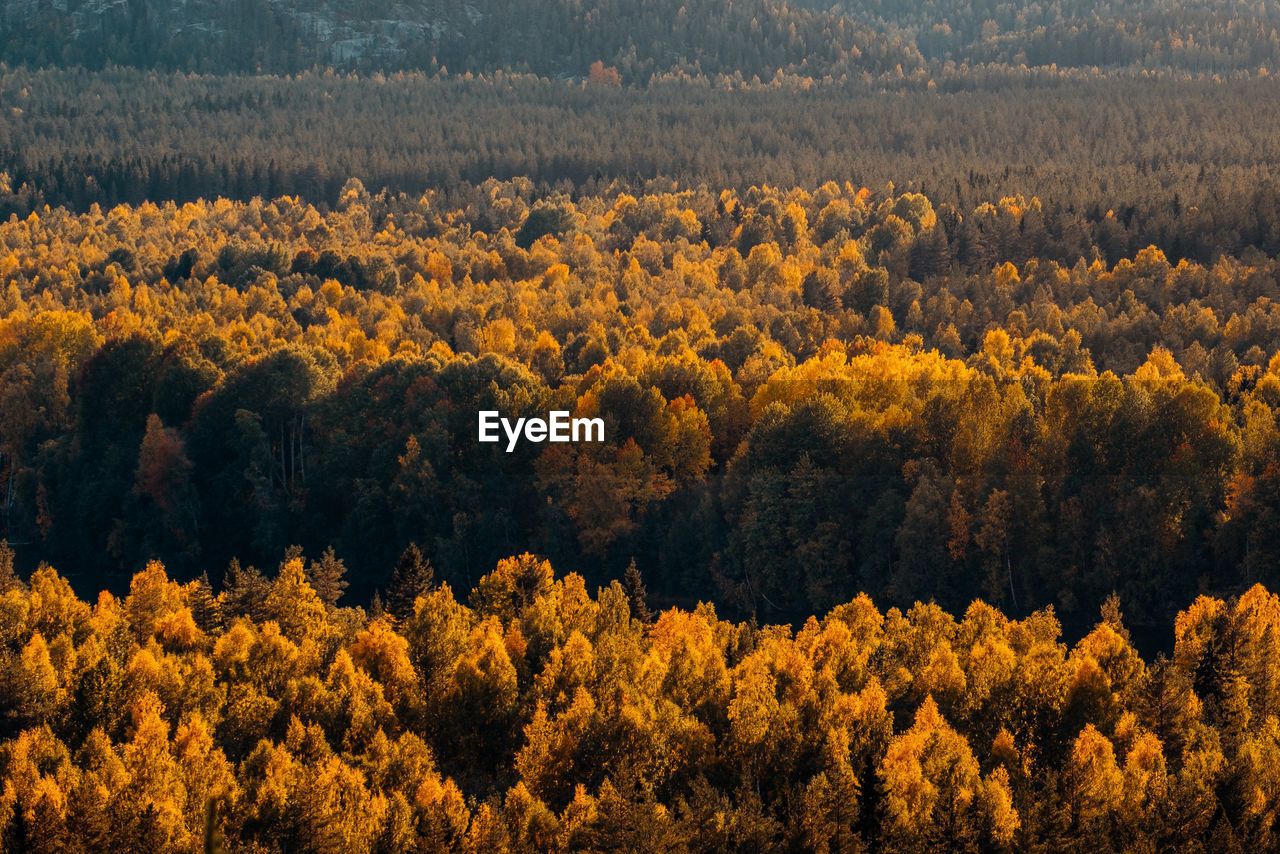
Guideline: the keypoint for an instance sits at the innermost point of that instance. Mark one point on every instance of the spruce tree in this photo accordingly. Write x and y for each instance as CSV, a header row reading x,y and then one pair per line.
x,y
412,578
327,577
204,606
636,595
244,592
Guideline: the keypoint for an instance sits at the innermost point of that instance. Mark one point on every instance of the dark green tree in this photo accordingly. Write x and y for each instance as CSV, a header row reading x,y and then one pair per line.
x,y
412,578
637,598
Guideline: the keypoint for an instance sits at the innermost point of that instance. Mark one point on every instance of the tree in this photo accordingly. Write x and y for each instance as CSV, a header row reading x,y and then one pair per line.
x,y
602,75
933,795
155,796
213,840
412,578
475,711
832,801
295,605
636,597
512,587
629,817
993,538
327,577
923,568
164,477
205,609
244,592
1095,785
8,578
546,218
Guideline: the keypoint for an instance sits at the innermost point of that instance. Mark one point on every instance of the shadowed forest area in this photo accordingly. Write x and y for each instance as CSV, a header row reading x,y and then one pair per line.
x,y
808,394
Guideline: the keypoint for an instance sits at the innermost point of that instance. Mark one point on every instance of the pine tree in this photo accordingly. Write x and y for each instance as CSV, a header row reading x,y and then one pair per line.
x,y
930,254
244,592
8,578
636,595
412,578
204,606
326,576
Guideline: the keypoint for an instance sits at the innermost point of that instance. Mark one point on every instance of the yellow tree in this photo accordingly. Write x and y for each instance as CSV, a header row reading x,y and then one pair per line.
x,y
934,798
1094,790
832,801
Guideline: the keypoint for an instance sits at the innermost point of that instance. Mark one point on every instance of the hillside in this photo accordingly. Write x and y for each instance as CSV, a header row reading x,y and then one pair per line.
x,y
1199,35
561,38
547,37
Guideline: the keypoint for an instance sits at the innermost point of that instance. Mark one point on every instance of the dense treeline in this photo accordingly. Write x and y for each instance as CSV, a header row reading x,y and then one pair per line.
x,y
536,717
562,38
1203,35
1188,165
546,37
808,394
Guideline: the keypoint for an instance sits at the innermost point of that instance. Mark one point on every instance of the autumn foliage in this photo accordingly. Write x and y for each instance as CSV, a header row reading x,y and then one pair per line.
x,y
602,75
540,716
808,394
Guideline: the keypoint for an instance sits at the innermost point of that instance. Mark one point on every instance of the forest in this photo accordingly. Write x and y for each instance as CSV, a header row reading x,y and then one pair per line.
x,y
561,38
809,394
937,348
1185,163
537,716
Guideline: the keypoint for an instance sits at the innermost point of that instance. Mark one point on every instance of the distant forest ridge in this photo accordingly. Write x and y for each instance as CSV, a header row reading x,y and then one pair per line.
x,y
560,38
1186,164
